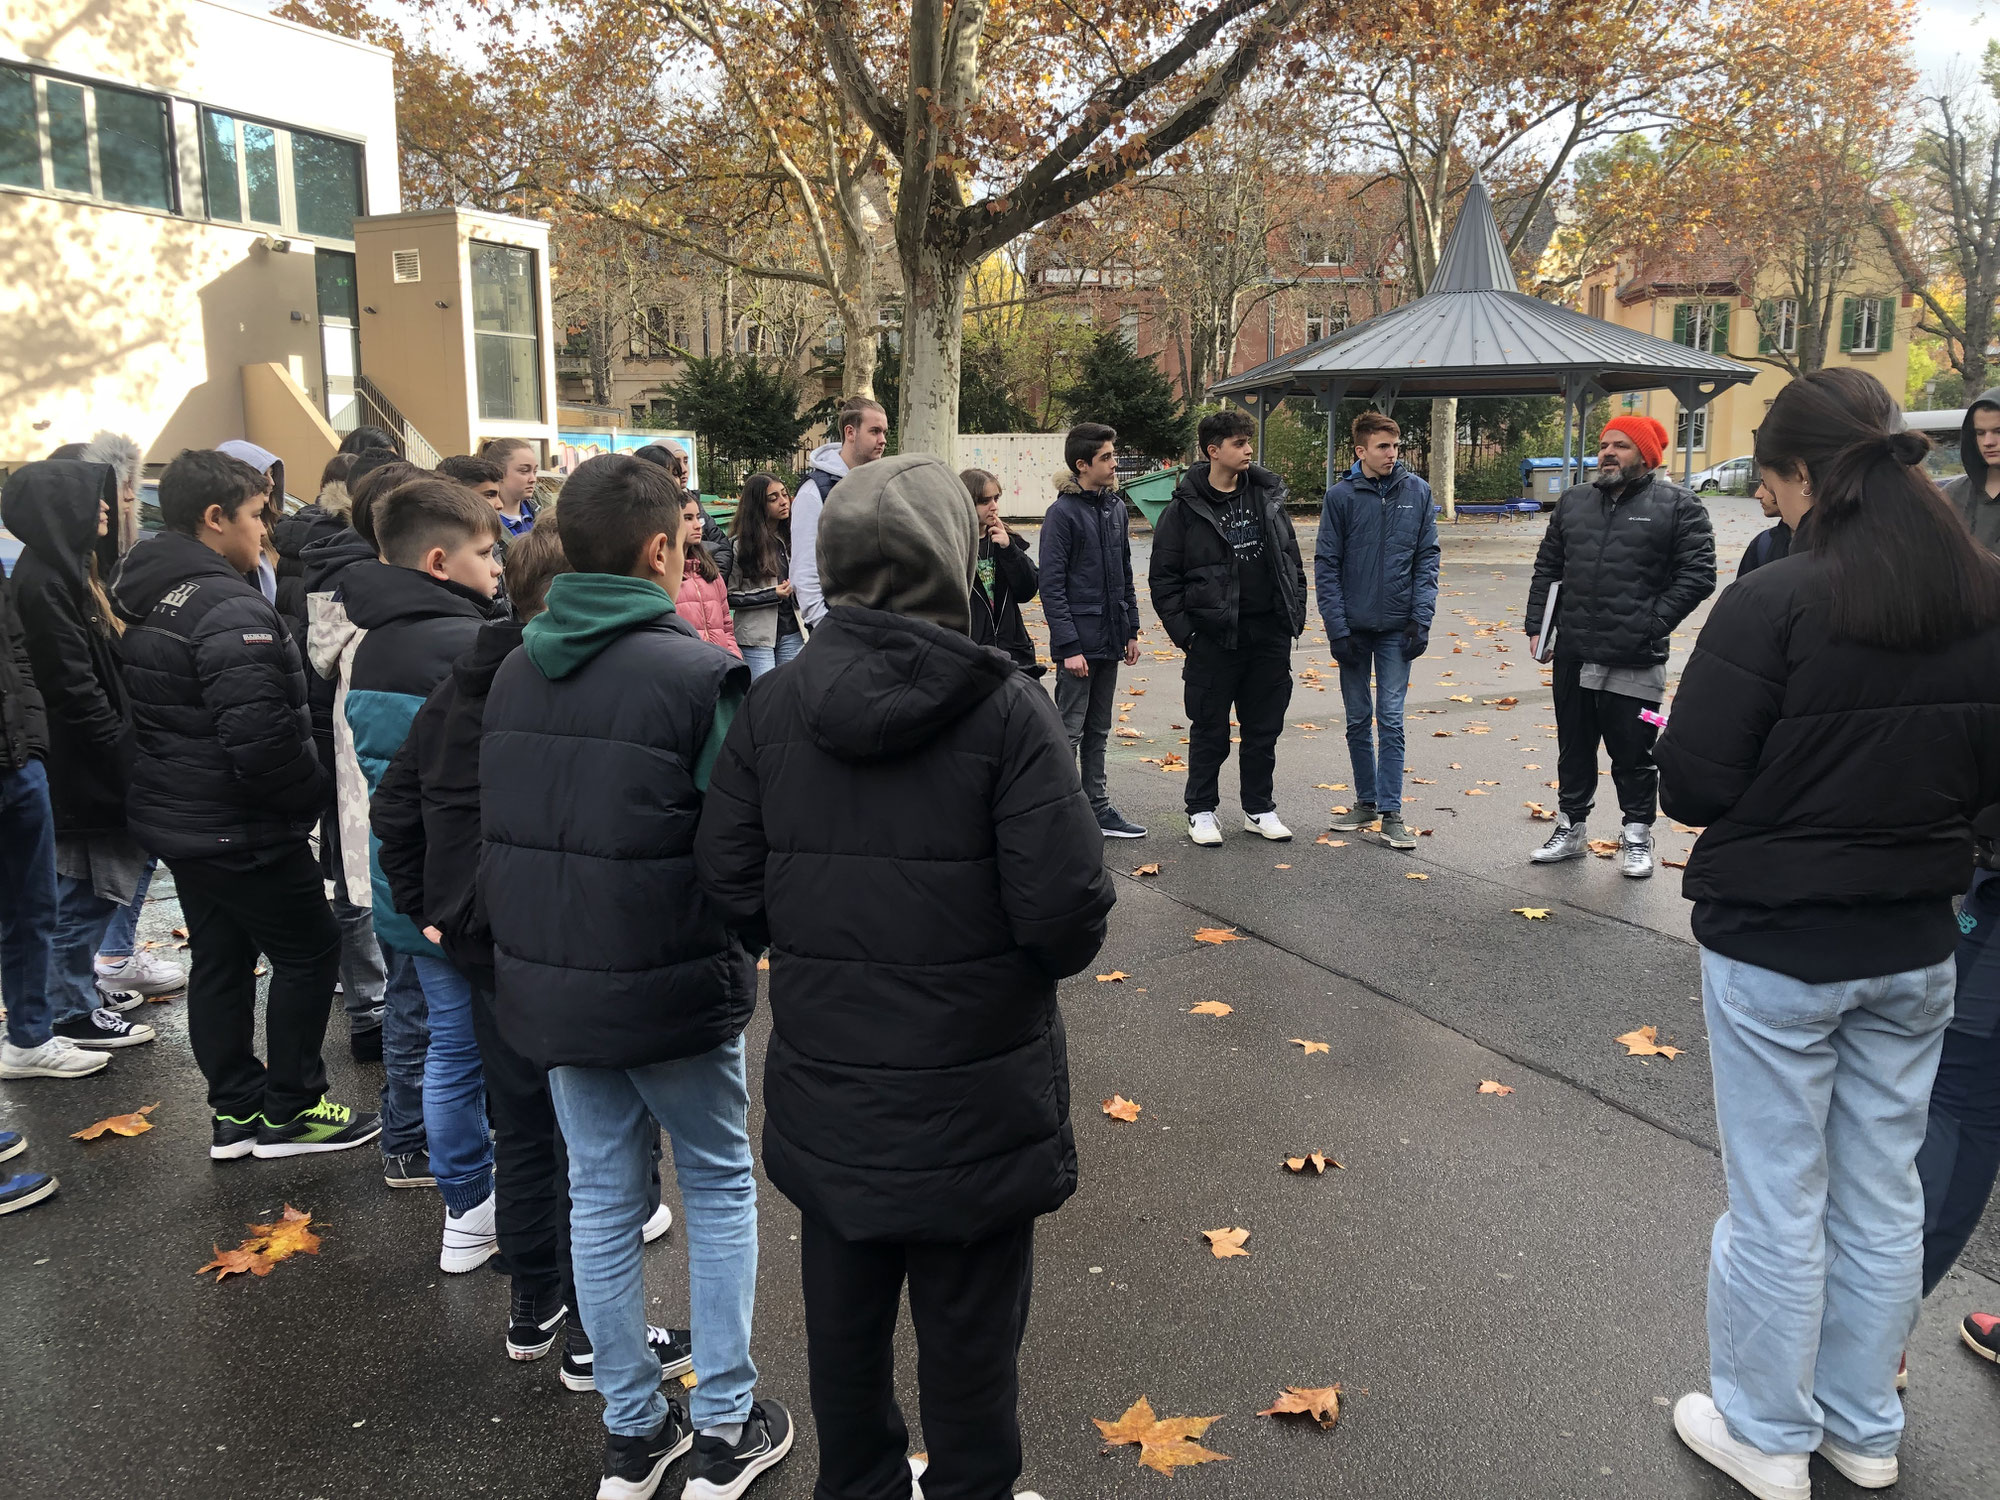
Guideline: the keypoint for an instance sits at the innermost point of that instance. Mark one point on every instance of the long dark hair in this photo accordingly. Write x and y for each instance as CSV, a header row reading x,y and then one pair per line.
x,y
1906,574
762,544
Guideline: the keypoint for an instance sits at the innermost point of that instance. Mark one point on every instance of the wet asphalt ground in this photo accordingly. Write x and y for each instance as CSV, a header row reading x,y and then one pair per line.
x,y
1509,1288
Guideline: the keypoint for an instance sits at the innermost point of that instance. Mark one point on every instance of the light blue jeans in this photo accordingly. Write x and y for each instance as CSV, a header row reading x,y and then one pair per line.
x,y
607,1117
1378,775
124,929
81,917
454,1091
761,659
1815,1271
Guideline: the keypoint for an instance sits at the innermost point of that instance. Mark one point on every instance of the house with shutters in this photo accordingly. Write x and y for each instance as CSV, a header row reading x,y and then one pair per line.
x,y
1719,301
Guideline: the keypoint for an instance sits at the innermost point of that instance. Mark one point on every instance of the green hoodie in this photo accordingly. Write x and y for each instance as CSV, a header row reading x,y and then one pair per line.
x,y
584,613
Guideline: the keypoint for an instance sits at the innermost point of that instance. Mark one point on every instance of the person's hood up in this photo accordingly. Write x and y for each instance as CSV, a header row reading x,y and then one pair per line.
x,y
119,451
303,527
497,640
162,562
901,535
875,686
827,456
51,506
263,460
378,594
1968,444
584,613
327,558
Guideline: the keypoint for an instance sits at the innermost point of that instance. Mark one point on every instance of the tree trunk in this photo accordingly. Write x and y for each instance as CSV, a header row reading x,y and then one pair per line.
x,y
1444,455
1978,332
933,336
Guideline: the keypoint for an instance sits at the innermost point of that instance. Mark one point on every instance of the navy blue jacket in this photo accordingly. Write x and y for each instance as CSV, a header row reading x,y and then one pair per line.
x,y
1376,566
1089,597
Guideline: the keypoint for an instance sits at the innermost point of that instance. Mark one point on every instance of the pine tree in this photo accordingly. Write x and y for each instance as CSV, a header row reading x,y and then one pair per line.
x,y
743,412
1115,386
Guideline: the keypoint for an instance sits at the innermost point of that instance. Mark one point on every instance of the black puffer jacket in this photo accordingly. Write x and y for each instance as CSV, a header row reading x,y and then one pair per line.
x,y
996,618
24,724
52,507
1837,782
426,811
292,536
899,810
1196,576
606,954
1634,563
226,762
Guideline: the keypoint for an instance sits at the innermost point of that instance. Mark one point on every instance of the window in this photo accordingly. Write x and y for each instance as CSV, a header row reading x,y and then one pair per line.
x,y
1324,247
1315,324
105,143
659,332
506,332
1703,326
1128,328
1700,420
283,179
1866,325
1783,325
1597,300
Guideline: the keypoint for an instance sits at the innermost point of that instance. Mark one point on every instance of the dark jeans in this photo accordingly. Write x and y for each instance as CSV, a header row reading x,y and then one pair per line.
x,y
406,1037
970,1307
1086,705
278,909
1255,678
530,1167
1584,716
27,902
1961,1151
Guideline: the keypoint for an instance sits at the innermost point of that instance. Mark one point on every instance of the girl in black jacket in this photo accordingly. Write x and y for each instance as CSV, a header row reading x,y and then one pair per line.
x,y
1837,729
759,573
60,509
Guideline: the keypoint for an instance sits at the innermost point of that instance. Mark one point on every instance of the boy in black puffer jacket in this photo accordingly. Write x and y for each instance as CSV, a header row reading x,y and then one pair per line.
x,y
898,813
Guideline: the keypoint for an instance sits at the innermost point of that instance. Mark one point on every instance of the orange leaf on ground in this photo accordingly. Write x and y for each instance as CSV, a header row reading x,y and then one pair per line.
x,y
1121,1108
1321,1403
1414,875
1488,1086
135,1123
1116,976
1604,848
1645,1043
1539,813
1218,935
1164,1445
1223,1243
1331,786
1311,1047
180,932
1424,780
288,1235
1675,864
1211,1008
1281,867
1330,841
1319,1161
1147,870
764,964
1532,913
1440,734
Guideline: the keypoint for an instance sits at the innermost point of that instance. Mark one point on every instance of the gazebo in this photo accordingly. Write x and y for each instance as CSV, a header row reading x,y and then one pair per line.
x,y
1475,333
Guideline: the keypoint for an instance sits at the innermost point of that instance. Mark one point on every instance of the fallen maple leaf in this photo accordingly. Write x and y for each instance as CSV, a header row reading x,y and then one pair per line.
x,y
1121,1108
1147,870
1224,1243
1488,1086
1321,1403
1319,1161
1116,976
135,1123
1645,1043
1330,841
1532,913
1128,734
1211,1008
1501,702
1218,935
1604,848
1164,1445
288,1235
1336,810
1413,875
1311,1047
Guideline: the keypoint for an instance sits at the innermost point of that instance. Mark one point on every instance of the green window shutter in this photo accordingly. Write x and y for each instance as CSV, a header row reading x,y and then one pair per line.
x,y
1886,327
1767,319
1718,341
1680,323
1848,313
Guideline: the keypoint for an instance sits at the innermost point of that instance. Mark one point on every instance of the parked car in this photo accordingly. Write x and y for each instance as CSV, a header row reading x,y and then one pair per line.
x,y
1729,478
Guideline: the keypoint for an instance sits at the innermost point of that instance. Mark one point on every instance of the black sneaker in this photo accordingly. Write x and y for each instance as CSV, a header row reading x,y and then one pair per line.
x,y
411,1169
120,1001
102,1030
365,1046
633,1465
233,1139
535,1321
1115,825
675,1347
723,1471
325,1127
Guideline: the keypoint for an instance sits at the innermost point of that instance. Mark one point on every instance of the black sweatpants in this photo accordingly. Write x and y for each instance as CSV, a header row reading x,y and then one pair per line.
x,y
1254,678
970,1307
530,1164
1584,716
278,909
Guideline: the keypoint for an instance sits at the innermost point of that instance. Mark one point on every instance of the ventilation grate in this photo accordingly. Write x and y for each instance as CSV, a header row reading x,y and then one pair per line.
x,y
406,265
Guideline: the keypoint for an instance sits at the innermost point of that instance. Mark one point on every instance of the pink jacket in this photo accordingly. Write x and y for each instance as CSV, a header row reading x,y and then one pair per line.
x,y
704,604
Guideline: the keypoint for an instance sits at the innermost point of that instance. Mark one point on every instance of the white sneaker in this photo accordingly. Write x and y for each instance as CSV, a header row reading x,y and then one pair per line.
x,y
1768,1476
1204,830
1267,825
660,1223
58,1057
143,971
469,1241
1635,851
1864,1469
917,1467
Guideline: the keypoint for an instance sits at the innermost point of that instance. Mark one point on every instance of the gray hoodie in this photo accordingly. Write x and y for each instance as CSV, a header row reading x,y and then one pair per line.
x,y
806,505
1968,491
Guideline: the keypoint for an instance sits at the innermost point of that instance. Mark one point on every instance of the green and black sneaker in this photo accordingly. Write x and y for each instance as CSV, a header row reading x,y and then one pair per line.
x,y
325,1127
234,1138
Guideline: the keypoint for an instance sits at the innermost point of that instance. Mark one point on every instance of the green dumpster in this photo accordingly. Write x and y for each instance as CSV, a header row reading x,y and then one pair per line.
x,y
719,510
1152,492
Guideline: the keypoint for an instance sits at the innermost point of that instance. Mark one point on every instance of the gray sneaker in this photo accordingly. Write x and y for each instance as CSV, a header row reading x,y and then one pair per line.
x,y
1635,851
1395,833
1358,816
1569,841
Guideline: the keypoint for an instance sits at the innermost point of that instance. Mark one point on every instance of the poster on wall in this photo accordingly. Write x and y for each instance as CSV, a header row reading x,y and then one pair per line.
x,y
1027,464
574,445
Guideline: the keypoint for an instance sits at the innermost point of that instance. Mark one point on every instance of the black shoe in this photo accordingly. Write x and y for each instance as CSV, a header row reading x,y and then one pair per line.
x,y
325,1127
674,1346
120,1001
103,1030
633,1465
535,1321
232,1138
410,1170
723,1471
1115,825
365,1046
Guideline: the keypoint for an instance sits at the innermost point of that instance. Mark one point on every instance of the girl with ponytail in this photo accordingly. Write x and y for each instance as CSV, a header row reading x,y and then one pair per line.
x,y
1835,732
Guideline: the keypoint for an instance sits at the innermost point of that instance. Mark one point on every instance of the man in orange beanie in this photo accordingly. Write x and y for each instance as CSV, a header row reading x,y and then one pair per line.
x,y
1633,553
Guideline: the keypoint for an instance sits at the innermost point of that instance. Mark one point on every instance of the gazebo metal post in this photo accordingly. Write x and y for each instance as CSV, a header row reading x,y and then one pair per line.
x,y
1569,418
1330,394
